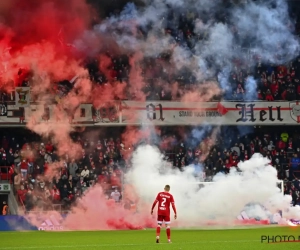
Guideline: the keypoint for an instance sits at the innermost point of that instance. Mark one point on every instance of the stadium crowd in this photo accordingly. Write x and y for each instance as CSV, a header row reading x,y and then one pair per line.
x,y
273,83
161,82
103,163
102,160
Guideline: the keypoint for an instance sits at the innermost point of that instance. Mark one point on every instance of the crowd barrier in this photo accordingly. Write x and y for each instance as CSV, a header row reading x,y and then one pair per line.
x,y
5,173
43,222
50,223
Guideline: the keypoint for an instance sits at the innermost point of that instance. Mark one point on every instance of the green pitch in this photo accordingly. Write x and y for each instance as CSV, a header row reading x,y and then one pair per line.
x,y
212,239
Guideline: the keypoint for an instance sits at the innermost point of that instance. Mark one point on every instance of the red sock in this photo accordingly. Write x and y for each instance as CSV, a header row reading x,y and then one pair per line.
x,y
158,231
168,233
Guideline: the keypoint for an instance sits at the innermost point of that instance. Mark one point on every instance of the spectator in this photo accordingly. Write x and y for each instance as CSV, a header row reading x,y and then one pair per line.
x,y
236,149
281,145
294,166
73,167
80,183
274,87
47,195
29,200
64,170
64,194
240,92
24,168
227,166
10,157
295,195
85,173
284,137
219,166
290,147
17,158
298,152
5,209
3,159
22,194
259,95
49,147
70,184
269,96
115,195
189,157
76,179
17,180
55,194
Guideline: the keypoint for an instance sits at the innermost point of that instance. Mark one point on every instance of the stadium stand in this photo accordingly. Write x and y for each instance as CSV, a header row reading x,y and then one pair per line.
x,y
280,82
103,162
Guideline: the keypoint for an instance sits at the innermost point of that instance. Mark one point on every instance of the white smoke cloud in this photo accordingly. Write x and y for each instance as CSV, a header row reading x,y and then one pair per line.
x,y
250,86
223,78
223,200
218,49
265,25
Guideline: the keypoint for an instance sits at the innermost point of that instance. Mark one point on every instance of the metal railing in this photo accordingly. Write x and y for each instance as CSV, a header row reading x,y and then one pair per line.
x,y
296,174
5,175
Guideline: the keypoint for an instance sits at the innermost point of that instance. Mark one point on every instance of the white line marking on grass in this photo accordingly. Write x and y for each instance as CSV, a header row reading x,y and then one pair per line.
x,y
123,245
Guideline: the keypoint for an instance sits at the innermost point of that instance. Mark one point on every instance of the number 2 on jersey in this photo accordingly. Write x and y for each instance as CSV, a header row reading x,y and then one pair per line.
x,y
163,202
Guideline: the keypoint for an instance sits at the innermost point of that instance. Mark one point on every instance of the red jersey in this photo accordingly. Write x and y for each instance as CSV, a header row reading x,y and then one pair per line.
x,y
164,200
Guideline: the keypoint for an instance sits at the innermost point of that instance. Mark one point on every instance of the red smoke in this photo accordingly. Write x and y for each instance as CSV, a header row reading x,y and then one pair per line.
x,y
34,36
95,212
104,214
37,42
34,21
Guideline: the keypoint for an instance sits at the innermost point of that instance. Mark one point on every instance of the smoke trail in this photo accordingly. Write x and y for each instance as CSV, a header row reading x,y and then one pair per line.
x,y
250,87
223,78
197,135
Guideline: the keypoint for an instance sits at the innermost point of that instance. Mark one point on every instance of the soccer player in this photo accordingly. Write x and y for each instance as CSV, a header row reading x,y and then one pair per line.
x,y
164,199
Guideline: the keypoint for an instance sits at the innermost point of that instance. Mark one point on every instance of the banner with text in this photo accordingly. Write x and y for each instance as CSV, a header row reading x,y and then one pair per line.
x,y
159,113
4,187
227,113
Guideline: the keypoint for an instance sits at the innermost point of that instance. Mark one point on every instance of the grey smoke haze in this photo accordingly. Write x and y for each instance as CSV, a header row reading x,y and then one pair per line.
x,y
261,28
267,29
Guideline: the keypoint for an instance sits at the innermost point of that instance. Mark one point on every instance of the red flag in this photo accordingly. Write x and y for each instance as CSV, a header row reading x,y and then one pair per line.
x,y
221,109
